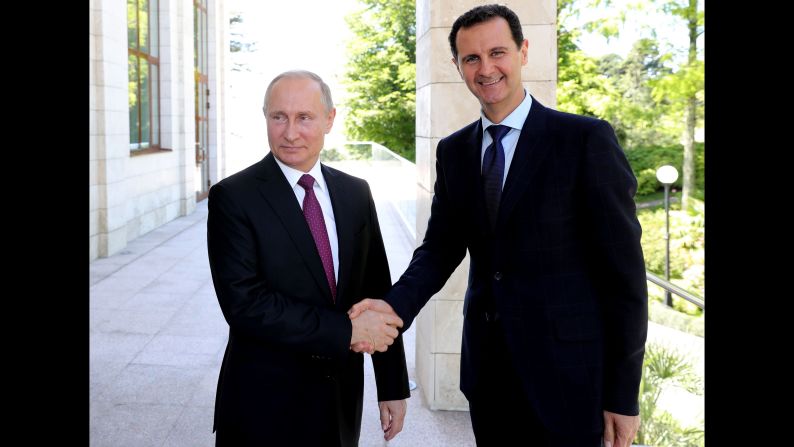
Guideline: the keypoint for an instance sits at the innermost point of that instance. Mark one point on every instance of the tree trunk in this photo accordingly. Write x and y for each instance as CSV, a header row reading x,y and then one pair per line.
x,y
690,116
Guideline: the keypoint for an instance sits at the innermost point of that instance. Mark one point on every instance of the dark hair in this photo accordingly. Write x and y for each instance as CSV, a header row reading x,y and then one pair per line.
x,y
482,14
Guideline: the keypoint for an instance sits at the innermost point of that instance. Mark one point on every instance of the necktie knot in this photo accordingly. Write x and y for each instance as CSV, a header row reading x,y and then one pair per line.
x,y
307,181
498,131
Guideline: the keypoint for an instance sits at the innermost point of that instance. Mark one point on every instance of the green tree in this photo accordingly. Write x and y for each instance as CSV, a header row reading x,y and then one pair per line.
x,y
683,89
381,75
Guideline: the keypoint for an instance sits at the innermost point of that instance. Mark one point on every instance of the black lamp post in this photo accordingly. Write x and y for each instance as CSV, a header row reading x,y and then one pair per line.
x,y
667,175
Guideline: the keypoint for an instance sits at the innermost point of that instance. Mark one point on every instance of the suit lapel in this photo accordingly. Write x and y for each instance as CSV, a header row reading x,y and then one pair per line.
x,y
276,190
344,232
532,147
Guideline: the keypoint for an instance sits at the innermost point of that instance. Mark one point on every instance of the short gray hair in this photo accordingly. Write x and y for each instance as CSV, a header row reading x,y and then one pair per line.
x,y
325,98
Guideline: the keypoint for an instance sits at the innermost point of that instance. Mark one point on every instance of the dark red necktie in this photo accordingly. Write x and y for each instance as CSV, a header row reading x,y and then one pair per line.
x,y
314,217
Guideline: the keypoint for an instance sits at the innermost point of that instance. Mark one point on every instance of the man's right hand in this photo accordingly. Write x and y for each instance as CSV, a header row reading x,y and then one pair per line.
x,y
374,329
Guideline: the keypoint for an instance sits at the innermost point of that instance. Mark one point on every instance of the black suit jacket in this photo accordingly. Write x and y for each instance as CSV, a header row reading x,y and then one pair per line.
x,y
563,266
288,369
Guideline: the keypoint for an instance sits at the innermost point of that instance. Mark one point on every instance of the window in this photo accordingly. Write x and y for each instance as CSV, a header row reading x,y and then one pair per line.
x,y
144,75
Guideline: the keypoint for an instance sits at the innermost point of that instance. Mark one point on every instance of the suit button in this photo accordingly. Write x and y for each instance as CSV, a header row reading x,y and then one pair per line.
x,y
497,276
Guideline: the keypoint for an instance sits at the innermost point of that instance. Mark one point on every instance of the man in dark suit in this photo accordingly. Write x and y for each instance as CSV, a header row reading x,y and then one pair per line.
x,y
555,314
292,245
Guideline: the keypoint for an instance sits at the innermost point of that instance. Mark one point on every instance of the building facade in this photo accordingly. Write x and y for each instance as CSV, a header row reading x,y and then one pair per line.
x,y
157,100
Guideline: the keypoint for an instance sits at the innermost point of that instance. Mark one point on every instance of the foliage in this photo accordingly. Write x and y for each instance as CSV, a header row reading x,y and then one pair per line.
x,y
665,367
645,160
381,75
687,254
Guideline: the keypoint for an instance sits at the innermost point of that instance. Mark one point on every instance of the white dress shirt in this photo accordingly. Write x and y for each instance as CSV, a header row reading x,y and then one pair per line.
x,y
515,121
321,191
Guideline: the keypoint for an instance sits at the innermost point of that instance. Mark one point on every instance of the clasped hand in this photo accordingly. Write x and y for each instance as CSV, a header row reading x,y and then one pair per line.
x,y
374,325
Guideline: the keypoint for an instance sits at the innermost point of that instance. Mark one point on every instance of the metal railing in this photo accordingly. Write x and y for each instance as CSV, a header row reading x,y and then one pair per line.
x,y
674,289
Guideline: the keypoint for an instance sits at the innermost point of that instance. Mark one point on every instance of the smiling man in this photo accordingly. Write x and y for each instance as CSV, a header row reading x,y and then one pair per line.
x,y
555,314
292,245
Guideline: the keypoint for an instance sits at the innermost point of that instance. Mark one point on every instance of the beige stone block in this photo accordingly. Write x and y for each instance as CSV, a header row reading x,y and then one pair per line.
x,y
444,12
533,12
544,91
93,171
102,245
115,194
423,111
541,54
116,218
454,108
93,222
425,160
102,220
93,197
96,124
441,67
148,222
118,125
425,369
116,241
426,325
422,16
423,200
93,248
448,325
171,211
447,380
424,60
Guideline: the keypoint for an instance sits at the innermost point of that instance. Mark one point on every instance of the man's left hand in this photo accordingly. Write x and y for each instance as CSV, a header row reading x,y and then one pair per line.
x,y
392,416
619,429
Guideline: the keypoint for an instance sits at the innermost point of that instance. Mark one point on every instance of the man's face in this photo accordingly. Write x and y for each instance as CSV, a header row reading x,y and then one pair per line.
x,y
490,64
297,122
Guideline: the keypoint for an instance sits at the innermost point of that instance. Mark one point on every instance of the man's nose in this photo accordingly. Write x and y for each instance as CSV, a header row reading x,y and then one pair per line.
x,y
486,67
291,131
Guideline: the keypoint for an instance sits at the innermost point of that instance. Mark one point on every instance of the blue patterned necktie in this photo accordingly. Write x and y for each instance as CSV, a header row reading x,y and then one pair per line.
x,y
493,168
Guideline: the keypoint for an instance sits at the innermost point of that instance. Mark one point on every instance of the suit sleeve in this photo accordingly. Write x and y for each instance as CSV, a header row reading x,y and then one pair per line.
x,y
391,372
619,269
434,261
249,305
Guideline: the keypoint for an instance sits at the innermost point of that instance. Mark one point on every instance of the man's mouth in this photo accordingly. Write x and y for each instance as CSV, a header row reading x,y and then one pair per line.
x,y
490,82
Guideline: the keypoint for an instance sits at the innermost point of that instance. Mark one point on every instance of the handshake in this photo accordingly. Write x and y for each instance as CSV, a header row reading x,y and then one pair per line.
x,y
374,325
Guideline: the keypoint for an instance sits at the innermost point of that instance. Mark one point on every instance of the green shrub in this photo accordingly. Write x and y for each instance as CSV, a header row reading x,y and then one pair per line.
x,y
644,158
663,367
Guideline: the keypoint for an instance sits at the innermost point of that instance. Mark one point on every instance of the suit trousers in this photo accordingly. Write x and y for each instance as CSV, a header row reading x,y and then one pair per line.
x,y
501,414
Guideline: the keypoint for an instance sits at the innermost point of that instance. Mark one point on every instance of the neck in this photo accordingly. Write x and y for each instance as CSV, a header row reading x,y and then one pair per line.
x,y
498,112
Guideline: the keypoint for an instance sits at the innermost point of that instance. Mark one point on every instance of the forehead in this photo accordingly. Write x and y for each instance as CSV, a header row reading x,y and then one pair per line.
x,y
484,36
295,94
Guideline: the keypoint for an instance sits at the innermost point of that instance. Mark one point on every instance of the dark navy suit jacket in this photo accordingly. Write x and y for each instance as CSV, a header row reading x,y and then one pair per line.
x,y
563,265
288,376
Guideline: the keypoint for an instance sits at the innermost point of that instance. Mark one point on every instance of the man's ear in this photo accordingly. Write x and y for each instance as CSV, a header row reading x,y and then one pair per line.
x,y
331,116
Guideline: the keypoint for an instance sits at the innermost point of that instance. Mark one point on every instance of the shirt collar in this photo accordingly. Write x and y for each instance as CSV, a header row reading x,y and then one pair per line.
x,y
517,117
293,175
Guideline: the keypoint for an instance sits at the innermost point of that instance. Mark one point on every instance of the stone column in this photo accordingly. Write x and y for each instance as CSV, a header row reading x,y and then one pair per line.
x,y
109,148
444,105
